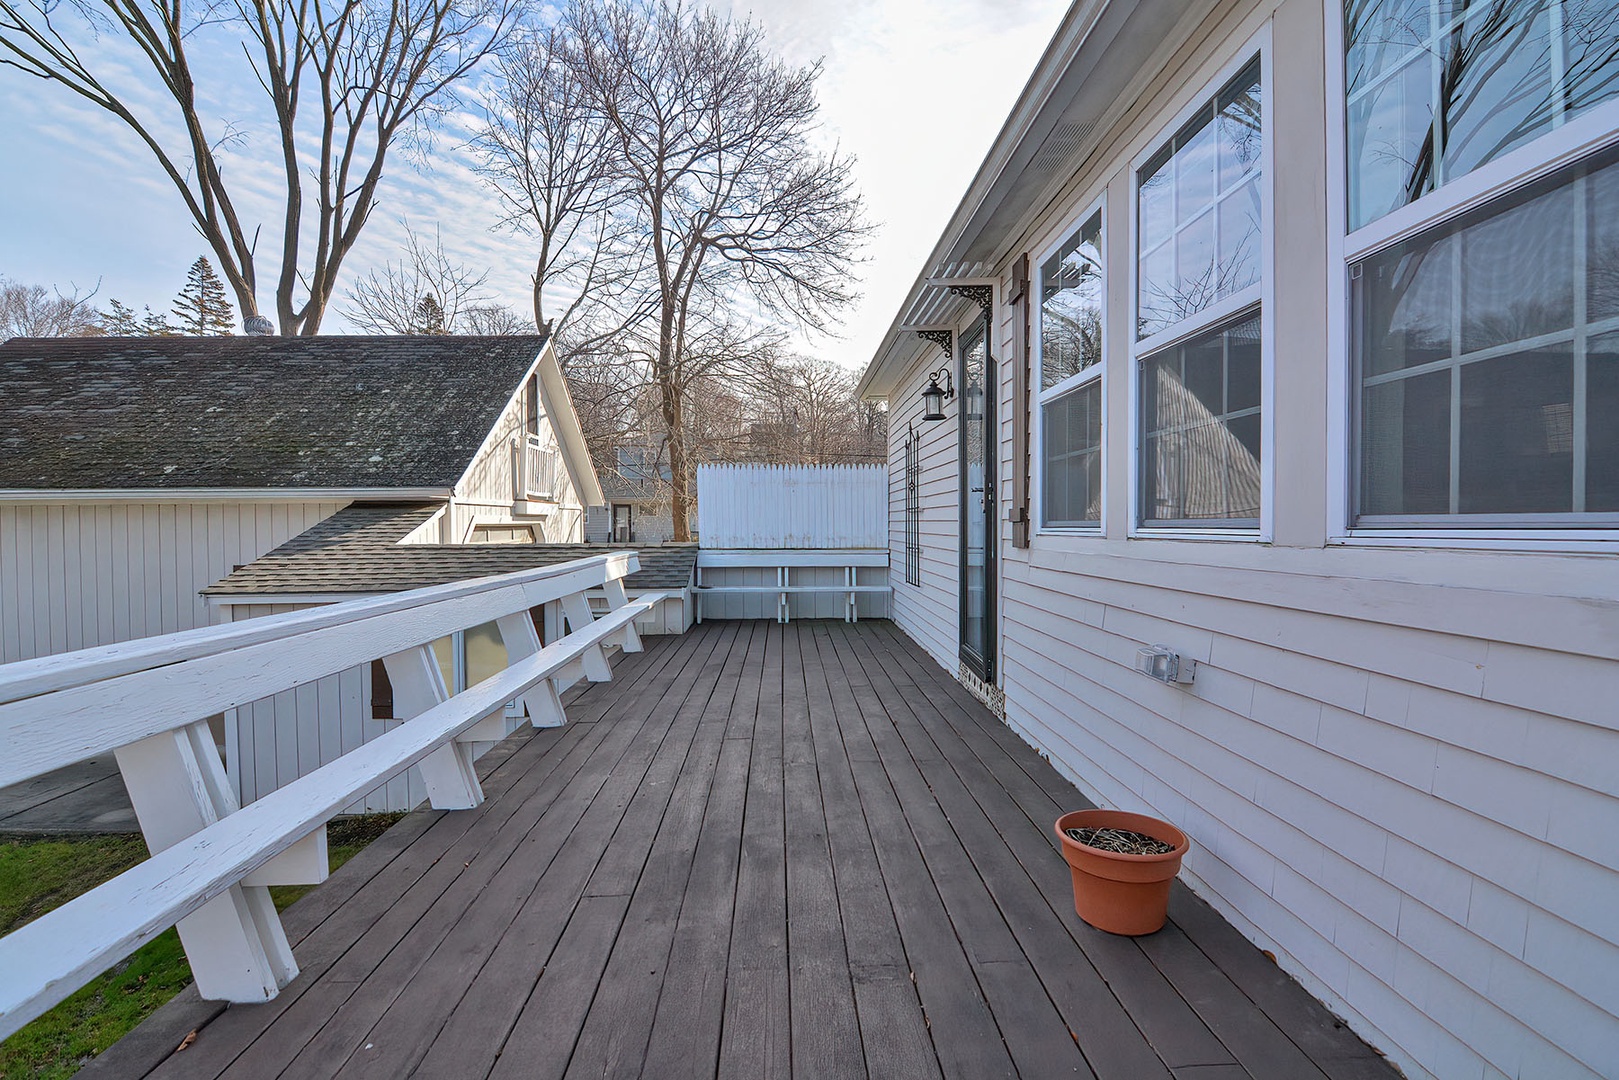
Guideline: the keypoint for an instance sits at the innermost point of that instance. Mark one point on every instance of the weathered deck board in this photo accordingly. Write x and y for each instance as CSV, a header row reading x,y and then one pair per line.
x,y
760,851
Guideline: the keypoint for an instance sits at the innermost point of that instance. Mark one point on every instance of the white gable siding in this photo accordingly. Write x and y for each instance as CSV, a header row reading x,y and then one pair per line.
x,y
1395,765
486,493
75,575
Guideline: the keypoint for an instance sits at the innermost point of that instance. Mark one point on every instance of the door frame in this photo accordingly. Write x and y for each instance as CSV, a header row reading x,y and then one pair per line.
x,y
984,667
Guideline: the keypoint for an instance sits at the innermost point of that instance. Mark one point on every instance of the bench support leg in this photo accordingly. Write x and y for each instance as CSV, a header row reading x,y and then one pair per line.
x,y
577,609
451,781
630,639
235,943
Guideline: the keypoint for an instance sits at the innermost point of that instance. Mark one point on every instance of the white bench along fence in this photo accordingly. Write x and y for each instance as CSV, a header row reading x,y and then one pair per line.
x,y
786,540
810,584
148,701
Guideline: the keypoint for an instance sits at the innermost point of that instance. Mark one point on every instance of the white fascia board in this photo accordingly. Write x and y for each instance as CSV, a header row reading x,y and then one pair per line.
x,y
176,495
570,433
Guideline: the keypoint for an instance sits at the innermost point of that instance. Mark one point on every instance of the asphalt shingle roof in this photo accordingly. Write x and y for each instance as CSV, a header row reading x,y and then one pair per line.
x,y
356,550
251,412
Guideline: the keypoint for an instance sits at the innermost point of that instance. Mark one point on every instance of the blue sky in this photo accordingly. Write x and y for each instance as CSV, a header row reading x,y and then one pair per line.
x,y
916,90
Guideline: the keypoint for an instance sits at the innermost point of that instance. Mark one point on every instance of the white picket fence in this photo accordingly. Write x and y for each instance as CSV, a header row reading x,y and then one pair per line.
x,y
148,702
793,506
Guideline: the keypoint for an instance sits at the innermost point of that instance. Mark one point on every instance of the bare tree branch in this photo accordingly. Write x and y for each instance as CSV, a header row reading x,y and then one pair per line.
x,y
345,81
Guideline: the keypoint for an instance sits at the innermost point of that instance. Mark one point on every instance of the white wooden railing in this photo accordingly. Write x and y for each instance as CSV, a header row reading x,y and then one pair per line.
x,y
537,469
148,701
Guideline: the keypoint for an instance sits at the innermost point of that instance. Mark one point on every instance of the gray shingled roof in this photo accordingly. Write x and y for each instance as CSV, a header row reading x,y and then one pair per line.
x,y
251,412
356,550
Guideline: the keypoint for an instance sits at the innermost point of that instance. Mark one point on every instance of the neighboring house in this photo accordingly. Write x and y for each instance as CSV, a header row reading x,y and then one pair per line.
x,y
137,472
1252,359
636,500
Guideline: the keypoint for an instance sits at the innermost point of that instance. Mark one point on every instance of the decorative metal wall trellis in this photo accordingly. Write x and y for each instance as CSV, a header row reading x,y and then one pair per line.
x,y
913,506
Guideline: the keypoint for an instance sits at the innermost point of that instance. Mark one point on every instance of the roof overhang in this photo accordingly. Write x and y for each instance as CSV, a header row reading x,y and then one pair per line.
x,y
565,422
1092,71
171,495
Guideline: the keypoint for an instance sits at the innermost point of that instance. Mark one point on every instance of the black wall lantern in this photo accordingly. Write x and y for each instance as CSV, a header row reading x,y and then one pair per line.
x,y
934,397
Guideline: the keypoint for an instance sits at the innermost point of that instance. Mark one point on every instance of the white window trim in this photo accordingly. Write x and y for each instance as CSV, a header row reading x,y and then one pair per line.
x,y
1539,157
1095,373
1263,293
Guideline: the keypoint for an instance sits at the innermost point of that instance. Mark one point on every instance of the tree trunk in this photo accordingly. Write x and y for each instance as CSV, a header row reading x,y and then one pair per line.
x,y
670,390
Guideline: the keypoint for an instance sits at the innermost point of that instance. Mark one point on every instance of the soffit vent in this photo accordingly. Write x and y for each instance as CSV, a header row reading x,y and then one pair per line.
x,y
1060,146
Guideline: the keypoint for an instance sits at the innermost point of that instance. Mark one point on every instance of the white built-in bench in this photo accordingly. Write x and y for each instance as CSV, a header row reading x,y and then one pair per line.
x,y
787,567
148,702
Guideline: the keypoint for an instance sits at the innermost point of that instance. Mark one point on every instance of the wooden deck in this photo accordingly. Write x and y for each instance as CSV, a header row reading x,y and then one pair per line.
x,y
761,851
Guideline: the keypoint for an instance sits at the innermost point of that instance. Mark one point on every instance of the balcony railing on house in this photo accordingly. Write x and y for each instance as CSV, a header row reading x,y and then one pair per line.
x,y
148,702
537,469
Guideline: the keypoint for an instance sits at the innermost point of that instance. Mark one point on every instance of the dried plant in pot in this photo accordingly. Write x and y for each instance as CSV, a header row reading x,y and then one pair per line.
x,y
1118,891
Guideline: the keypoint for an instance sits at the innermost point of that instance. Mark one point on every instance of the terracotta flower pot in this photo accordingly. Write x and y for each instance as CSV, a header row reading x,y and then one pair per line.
x,y
1122,894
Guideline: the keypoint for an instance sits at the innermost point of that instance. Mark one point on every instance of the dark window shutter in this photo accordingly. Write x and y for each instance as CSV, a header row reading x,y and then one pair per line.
x,y
382,692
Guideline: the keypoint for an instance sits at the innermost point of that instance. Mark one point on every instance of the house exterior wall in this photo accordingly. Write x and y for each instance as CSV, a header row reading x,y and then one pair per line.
x,y
927,612
76,574
486,494
1395,762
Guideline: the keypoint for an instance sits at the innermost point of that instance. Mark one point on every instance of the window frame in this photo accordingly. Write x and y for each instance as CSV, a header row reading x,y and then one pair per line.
x,y
1096,373
1224,311
1571,141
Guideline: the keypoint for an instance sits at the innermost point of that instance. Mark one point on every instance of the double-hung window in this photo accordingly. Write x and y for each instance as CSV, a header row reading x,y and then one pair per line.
x,y
1199,345
1484,319
1070,395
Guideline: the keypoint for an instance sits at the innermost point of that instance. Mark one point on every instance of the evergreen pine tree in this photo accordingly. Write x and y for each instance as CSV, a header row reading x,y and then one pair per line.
x,y
154,324
119,320
202,305
428,316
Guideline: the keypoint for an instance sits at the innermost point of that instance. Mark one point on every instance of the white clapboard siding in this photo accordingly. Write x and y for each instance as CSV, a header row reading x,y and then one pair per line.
x,y
76,575
793,506
212,859
927,612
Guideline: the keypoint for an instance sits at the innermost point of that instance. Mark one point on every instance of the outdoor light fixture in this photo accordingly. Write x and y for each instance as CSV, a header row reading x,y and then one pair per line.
x,y
934,397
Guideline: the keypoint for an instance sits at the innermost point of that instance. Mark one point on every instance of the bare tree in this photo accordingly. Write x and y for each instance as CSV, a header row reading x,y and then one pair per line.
x,y
491,320
34,311
343,82
548,152
737,208
392,300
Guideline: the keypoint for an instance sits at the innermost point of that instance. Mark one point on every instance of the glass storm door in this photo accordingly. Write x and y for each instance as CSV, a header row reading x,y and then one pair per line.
x,y
977,503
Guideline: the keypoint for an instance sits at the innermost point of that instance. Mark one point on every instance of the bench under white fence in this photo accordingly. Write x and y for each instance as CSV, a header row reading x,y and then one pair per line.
x,y
148,702
791,582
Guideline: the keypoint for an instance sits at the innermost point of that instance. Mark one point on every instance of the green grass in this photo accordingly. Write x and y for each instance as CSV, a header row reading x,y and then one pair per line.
x,y
37,875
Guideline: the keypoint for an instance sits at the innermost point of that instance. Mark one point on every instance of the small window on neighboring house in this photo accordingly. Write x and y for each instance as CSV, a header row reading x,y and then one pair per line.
x,y
913,507
531,422
502,534
382,692
1072,288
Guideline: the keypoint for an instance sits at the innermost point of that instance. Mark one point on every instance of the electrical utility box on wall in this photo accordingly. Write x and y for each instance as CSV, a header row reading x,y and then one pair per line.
x,y
1164,664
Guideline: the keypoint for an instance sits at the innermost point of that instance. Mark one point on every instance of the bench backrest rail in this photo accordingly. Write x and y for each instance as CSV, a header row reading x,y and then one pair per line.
x,y
212,860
